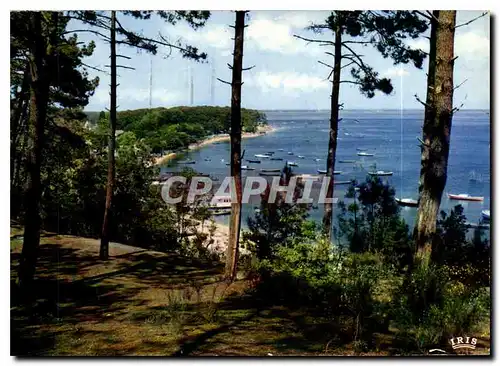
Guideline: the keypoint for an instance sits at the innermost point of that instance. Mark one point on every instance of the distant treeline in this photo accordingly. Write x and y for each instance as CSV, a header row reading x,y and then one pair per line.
x,y
165,129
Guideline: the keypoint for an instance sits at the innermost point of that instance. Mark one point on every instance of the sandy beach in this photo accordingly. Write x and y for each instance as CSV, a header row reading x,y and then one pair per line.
x,y
263,130
220,238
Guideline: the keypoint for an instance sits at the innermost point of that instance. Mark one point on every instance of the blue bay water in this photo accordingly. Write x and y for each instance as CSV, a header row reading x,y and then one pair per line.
x,y
389,134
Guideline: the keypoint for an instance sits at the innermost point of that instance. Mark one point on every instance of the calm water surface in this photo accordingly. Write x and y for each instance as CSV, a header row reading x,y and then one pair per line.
x,y
390,135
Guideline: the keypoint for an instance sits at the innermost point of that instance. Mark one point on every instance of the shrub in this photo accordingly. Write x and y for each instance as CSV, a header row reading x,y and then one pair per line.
x,y
432,308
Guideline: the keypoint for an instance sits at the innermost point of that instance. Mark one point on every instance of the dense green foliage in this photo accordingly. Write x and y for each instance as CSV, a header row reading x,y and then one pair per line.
x,y
369,285
279,223
168,129
370,221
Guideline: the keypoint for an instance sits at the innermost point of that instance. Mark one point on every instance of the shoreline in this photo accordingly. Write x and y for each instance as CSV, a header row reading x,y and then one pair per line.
x,y
261,131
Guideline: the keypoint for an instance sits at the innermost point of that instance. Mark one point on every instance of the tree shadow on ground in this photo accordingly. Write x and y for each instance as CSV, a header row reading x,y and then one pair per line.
x,y
64,294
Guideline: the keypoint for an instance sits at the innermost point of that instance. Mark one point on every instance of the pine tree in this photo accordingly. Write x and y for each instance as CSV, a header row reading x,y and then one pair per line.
x,y
384,30
436,130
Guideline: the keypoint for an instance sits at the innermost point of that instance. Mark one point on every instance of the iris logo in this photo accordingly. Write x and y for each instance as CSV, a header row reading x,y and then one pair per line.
x,y
458,343
463,342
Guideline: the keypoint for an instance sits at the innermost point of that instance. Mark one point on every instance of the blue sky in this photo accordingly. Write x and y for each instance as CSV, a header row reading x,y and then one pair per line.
x,y
286,74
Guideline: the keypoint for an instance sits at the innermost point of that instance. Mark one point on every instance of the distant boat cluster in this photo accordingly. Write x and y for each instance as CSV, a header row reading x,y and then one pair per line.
x,y
286,156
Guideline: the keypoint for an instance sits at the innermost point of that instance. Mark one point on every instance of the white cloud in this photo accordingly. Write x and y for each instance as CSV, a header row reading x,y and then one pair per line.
x,y
214,35
126,96
469,45
277,34
472,46
265,32
419,43
289,82
395,71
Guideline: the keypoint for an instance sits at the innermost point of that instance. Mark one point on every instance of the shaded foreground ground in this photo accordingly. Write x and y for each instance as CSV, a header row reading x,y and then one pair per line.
x,y
142,302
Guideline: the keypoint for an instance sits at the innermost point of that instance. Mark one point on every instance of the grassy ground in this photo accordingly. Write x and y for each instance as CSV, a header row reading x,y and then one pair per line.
x,y
142,302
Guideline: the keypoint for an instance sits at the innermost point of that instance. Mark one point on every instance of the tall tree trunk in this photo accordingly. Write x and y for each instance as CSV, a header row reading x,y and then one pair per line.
x,y
39,91
436,131
334,124
235,221
16,122
104,249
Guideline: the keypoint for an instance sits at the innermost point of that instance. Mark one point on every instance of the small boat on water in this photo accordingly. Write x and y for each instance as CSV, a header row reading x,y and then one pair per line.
x,y
347,161
317,159
362,153
380,173
301,156
464,197
281,149
219,202
221,212
187,162
323,171
471,225
410,202
253,161
246,167
262,156
270,174
270,170
307,176
270,152
276,159
291,163
208,159
485,214
156,183
360,149
339,182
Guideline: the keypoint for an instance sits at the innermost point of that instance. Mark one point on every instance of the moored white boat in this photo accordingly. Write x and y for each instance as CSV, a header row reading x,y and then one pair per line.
x,y
485,214
464,197
221,211
362,153
219,202
335,172
291,163
262,156
246,167
407,202
380,172
339,182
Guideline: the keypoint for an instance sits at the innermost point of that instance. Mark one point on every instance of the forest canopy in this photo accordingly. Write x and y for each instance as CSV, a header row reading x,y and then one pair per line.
x,y
177,127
